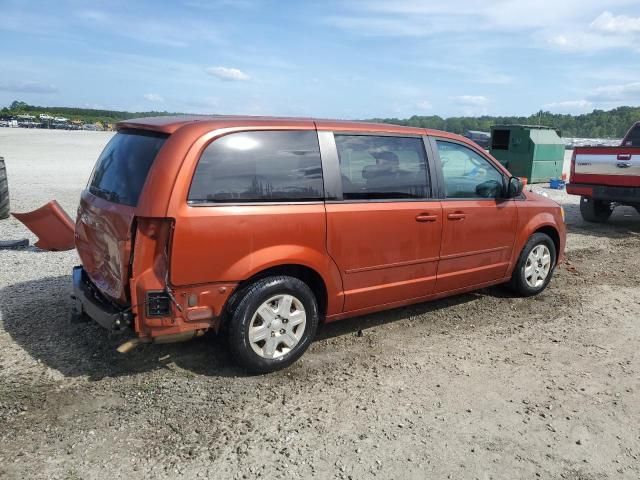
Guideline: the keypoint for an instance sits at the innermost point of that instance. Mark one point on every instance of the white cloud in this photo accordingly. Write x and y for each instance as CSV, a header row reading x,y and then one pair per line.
x,y
153,97
629,92
607,96
424,105
568,25
561,41
217,4
569,106
470,105
471,100
226,73
203,105
93,15
473,72
620,24
27,86
380,27
152,30
420,17
587,42
607,31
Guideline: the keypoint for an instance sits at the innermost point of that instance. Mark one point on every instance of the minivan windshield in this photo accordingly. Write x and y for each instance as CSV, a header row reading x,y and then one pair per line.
x,y
124,164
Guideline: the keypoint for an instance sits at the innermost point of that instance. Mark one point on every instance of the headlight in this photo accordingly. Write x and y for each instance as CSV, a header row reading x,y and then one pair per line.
x,y
562,213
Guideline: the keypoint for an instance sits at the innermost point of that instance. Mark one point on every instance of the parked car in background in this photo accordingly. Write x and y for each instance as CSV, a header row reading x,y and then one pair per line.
x,y
265,227
605,177
483,139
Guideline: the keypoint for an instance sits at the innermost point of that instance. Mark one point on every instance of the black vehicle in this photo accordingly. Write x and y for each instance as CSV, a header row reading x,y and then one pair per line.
x,y
483,139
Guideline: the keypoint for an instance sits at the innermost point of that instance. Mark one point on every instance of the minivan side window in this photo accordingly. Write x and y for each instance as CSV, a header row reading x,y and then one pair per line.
x,y
467,174
382,167
259,166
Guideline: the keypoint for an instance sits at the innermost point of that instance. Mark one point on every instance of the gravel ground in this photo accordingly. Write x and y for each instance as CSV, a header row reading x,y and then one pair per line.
x,y
482,385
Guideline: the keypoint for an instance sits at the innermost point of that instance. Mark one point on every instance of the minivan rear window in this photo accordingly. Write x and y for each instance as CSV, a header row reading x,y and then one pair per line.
x,y
124,164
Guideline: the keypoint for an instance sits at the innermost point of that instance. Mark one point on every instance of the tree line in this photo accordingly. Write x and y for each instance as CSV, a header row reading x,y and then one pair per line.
x,y
597,124
86,115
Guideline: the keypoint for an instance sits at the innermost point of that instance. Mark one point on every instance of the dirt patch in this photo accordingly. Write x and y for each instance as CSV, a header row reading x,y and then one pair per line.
x,y
473,386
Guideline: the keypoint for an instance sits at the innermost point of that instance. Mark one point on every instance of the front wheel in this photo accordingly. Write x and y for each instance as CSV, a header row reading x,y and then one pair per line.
x,y
272,324
596,211
535,265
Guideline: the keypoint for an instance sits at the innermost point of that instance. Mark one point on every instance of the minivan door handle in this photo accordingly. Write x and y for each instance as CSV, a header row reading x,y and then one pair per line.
x,y
457,216
425,217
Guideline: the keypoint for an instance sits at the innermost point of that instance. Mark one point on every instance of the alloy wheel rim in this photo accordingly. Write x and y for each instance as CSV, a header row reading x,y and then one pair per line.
x,y
277,326
538,266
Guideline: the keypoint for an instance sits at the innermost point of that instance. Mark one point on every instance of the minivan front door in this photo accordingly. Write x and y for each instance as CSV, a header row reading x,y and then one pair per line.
x,y
478,225
384,232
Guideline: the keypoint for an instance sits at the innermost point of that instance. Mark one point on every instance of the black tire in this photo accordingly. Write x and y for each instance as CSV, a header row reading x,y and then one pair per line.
x,y
244,308
596,211
518,281
4,191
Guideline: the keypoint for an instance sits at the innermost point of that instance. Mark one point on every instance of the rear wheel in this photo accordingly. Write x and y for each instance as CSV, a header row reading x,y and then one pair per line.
x,y
535,266
4,190
272,324
597,211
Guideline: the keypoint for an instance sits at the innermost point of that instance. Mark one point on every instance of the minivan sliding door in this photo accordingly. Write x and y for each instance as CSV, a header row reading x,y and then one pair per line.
x,y
383,227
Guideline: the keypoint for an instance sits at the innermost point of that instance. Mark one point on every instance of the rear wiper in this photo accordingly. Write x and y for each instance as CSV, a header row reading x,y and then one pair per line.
x,y
106,194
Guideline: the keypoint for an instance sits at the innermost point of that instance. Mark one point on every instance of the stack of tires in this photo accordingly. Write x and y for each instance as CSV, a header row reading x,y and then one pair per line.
x,y
4,191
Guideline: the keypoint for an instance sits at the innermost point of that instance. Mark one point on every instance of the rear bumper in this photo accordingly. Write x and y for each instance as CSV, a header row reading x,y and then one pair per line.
x,y
630,195
88,301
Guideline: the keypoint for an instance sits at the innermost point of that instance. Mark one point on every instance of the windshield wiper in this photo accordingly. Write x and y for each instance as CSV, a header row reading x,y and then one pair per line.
x,y
106,194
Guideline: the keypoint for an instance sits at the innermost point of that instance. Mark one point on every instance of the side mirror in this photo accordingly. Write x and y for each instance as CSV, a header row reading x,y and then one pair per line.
x,y
490,189
514,188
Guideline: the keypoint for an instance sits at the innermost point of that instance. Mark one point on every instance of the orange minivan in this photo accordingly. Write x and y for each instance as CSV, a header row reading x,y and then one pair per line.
x,y
265,227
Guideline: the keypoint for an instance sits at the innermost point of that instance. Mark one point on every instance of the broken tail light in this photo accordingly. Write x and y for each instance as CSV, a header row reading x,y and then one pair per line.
x,y
150,271
158,304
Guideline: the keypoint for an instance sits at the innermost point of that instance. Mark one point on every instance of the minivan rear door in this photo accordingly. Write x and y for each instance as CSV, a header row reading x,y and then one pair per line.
x,y
384,228
108,205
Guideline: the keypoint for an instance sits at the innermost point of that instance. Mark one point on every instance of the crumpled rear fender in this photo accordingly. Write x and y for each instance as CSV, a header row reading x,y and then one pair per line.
x,y
52,225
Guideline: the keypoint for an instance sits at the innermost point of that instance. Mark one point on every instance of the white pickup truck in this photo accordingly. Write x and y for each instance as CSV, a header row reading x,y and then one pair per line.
x,y
605,177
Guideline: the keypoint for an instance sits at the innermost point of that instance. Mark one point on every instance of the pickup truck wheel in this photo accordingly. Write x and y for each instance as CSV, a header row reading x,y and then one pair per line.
x,y
272,324
535,266
4,191
597,211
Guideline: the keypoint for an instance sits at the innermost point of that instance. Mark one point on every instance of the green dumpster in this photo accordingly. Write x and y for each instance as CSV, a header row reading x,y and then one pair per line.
x,y
531,151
